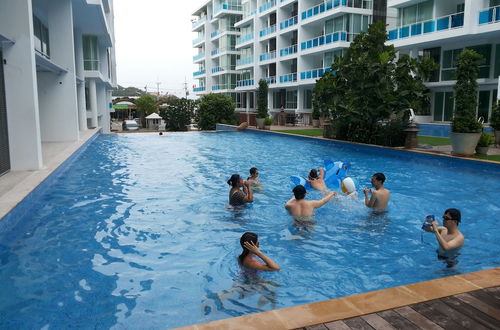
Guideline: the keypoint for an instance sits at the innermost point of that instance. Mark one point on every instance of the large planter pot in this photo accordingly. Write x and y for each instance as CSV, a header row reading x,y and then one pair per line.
x,y
260,122
268,127
464,144
497,137
482,150
316,123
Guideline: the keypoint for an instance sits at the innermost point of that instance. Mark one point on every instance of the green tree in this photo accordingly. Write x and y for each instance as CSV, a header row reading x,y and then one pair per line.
x,y
213,109
128,91
146,105
262,99
495,116
178,114
464,117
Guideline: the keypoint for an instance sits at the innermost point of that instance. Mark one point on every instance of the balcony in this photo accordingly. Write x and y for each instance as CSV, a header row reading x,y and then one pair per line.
x,y
198,40
267,56
222,86
198,57
220,32
289,22
332,4
244,61
288,50
314,74
435,25
267,31
199,89
245,83
244,38
226,7
198,23
219,69
327,39
215,52
270,80
267,5
199,73
291,77
490,15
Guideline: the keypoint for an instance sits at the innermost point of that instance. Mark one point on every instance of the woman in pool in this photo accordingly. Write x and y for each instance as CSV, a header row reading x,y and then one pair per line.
x,y
237,196
250,244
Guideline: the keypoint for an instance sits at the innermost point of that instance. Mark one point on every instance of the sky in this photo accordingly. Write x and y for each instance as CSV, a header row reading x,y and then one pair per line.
x,y
154,44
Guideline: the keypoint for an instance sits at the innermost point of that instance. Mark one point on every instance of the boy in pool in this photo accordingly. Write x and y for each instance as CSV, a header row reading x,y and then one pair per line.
x,y
449,238
299,208
380,196
254,176
317,181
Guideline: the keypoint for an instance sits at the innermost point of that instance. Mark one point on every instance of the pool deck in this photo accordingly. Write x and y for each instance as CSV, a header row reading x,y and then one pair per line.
x,y
465,301
16,185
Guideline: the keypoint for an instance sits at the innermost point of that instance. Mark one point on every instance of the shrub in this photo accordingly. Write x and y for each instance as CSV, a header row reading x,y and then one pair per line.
x,y
268,121
262,99
213,109
485,140
495,116
178,114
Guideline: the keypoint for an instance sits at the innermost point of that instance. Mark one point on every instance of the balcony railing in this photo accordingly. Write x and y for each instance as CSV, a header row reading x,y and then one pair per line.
x,y
440,24
313,74
90,65
289,22
270,80
218,32
327,39
199,22
267,56
226,6
221,69
198,73
490,15
223,86
199,39
267,31
267,5
288,50
331,4
215,52
244,38
244,83
248,14
197,57
291,77
244,61
199,89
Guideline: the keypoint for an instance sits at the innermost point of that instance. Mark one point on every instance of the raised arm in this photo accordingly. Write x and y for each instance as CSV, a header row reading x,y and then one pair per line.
x,y
290,202
269,265
370,202
249,194
321,173
452,244
324,200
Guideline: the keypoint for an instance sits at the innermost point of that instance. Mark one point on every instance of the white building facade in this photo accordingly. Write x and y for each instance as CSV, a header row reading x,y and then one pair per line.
x,y
291,43
58,70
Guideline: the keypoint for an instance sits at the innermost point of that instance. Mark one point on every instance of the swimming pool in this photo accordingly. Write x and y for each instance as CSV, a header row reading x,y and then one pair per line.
x,y
135,233
440,130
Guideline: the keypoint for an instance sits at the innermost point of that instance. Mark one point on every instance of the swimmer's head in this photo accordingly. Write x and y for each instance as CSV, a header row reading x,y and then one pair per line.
x,y
254,171
454,214
247,237
234,180
380,177
313,174
299,192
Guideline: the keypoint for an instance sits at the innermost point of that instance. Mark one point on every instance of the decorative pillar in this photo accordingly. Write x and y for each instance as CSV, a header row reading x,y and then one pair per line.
x,y
93,102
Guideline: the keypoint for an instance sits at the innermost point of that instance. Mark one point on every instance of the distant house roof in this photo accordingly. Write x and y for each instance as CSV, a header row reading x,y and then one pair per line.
x,y
154,115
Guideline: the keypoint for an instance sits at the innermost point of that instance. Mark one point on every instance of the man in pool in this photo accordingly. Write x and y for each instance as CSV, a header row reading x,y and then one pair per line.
x,y
317,181
449,238
380,196
299,208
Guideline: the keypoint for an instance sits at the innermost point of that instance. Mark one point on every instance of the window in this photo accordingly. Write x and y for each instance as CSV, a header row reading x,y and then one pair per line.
x,y
483,106
308,99
41,34
416,13
497,61
443,106
450,57
291,99
277,100
90,53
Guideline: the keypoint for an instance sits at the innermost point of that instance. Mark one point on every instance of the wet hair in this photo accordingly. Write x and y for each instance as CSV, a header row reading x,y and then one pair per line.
x,y
161,133
253,170
379,177
455,214
313,173
233,181
247,237
299,192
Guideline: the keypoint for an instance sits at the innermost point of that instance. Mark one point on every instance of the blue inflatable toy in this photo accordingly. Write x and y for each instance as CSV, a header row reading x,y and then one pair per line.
x,y
335,172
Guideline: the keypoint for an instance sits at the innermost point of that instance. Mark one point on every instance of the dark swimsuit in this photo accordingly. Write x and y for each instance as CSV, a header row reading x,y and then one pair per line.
x,y
237,198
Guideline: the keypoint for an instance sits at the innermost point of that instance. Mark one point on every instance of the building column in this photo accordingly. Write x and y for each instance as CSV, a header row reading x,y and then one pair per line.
x,y
93,102
21,93
80,88
247,106
299,100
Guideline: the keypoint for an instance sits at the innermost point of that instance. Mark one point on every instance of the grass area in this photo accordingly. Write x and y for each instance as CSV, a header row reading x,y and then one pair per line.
x,y
495,158
306,132
434,141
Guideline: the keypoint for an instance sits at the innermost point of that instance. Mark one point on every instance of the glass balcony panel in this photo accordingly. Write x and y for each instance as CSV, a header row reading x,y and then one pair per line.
x,y
443,23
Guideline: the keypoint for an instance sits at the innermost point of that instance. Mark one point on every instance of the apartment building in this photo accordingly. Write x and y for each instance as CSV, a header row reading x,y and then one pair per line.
x,y
292,43
441,29
57,72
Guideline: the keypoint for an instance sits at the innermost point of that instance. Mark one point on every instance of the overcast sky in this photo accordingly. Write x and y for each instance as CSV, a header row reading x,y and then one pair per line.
x,y
154,44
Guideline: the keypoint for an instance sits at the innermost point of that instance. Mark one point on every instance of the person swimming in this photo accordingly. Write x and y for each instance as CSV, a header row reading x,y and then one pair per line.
x,y
250,244
379,198
237,196
254,176
300,208
317,181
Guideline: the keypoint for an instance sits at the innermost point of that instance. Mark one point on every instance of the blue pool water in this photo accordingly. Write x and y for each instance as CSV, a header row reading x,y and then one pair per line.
x,y
136,232
439,130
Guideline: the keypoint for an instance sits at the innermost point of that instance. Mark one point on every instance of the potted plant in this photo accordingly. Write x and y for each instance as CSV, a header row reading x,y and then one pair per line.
x,y
261,103
315,116
465,129
495,121
484,143
268,122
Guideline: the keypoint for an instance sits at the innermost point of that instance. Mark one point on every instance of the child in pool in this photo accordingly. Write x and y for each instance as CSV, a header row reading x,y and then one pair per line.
x,y
250,244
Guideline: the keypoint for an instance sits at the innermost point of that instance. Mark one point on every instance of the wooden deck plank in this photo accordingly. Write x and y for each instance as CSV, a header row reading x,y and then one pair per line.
x,y
316,327
377,322
357,323
398,321
486,297
337,325
464,320
417,318
483,307
472,312
435,316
